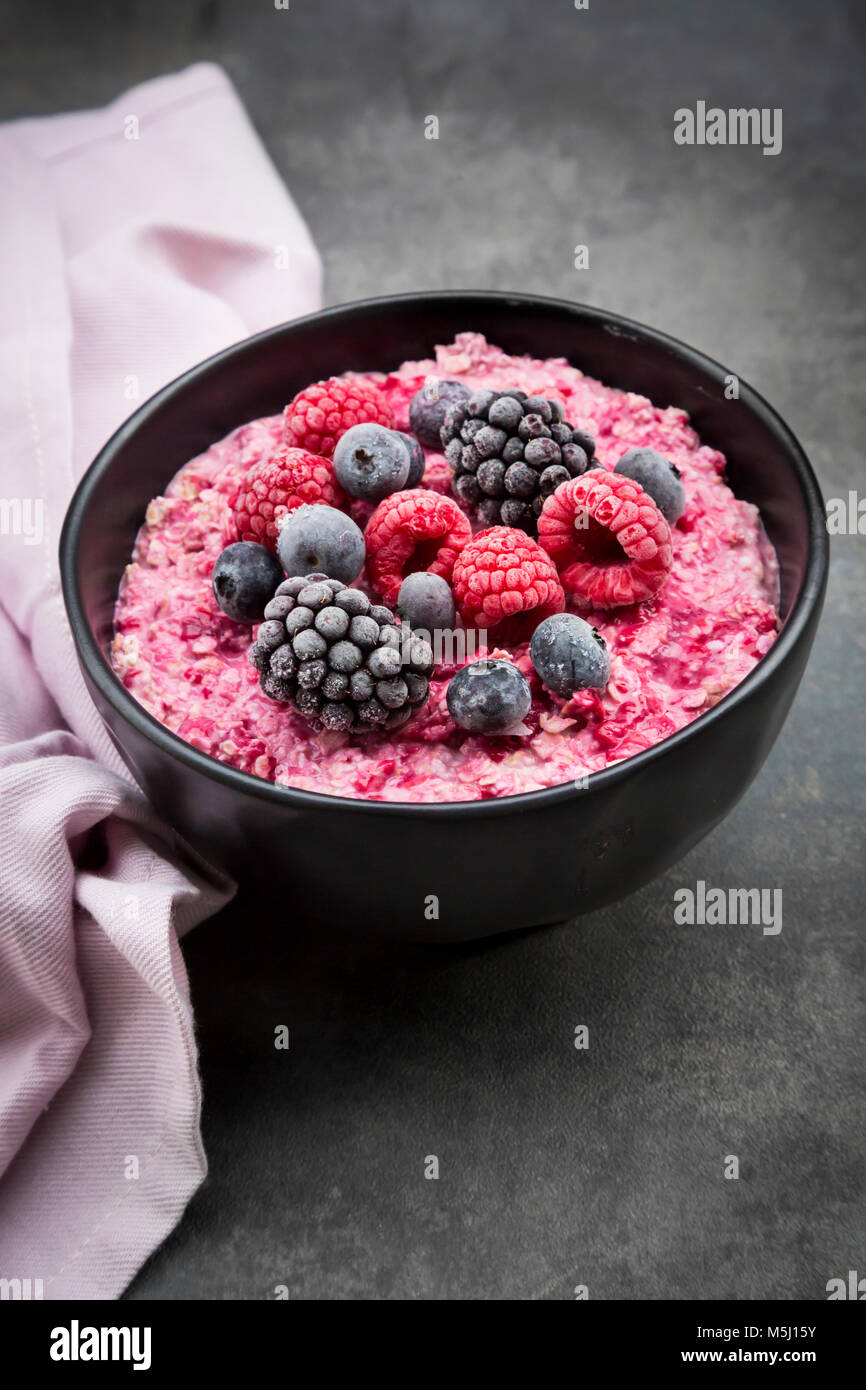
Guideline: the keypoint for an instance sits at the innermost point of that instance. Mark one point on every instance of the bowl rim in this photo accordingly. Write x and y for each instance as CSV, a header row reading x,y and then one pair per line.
x,y
111,688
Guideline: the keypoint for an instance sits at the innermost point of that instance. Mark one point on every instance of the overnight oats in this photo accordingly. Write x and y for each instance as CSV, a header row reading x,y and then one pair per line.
x,y
474,576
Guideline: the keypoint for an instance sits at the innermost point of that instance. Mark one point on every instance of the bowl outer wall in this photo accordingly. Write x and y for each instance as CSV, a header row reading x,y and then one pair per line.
x,y
493,865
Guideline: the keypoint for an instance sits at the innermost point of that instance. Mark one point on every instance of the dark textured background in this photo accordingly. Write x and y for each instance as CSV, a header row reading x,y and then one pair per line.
x,y
558,1167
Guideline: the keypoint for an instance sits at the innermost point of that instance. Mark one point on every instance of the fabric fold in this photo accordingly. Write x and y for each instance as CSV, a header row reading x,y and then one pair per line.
x,y
136,240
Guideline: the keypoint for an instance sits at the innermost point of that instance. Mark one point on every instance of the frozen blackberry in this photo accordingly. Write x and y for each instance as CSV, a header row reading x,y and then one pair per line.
x,y
340,660
508,451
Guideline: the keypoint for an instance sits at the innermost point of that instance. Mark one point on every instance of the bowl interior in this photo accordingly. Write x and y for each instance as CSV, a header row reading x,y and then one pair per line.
x,y
258,377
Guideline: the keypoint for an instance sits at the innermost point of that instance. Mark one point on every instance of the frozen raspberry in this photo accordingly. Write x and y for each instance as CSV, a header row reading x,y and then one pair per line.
x,y
609,540
411,531
276,486
503,579
319,414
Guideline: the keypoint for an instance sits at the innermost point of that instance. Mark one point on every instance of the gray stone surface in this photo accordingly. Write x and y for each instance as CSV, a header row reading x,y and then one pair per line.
x,y
558,1167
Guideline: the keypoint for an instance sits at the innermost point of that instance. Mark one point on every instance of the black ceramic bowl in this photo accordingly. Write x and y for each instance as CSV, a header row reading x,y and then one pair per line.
x,y
496,865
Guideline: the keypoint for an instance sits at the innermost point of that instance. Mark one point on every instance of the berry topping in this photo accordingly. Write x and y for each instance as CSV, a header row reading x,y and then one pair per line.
x,y
569,655
428,407
415,530
338,658
320,414
504,447
417,459
322,539
659,478
275,486
608,538
244,578
504,577
489,696
426,601
371,462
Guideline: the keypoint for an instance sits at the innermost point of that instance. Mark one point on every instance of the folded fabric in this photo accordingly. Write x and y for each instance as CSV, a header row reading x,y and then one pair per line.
x,y
135,241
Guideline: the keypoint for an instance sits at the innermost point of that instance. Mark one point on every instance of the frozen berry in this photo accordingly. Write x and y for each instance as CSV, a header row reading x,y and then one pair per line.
x,y
499,446
426,601
277,485
321,538
428,406
417,459
659,478
609,540
488,696
569,655
503,574
371,462
415,530
244,579
320,414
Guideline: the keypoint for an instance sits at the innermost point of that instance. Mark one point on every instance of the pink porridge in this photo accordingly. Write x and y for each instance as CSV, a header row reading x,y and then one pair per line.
x,y
672,657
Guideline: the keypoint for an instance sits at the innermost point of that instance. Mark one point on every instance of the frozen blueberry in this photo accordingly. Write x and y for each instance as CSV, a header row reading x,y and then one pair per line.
x,y
425,600
569,655
417,460
659,478
244,579
314,537
428,407
488,696
371,462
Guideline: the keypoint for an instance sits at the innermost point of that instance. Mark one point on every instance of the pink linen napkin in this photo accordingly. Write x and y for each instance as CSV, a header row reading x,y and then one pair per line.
x,y
135,241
